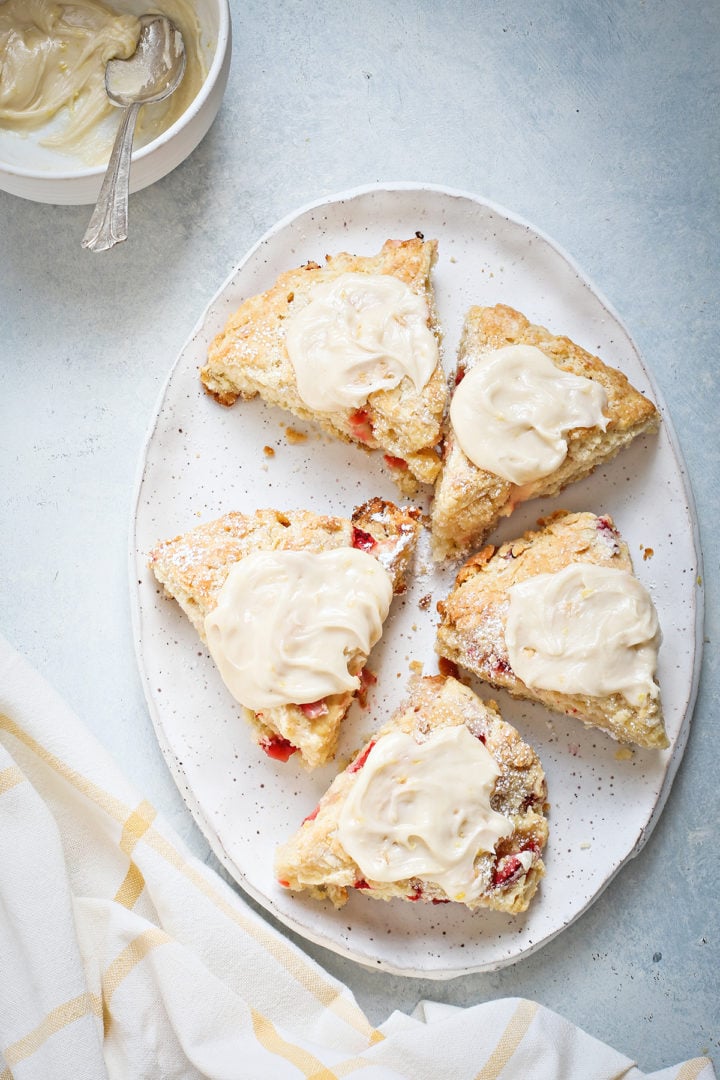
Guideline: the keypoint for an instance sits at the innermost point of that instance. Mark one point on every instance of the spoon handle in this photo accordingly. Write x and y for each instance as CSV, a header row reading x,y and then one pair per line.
x,y
109,222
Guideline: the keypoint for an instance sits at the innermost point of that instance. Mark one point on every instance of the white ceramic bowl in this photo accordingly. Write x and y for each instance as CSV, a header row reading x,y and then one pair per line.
x,y
33,172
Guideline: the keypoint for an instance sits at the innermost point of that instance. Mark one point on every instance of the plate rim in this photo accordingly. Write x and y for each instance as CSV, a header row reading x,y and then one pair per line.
x,y
186,793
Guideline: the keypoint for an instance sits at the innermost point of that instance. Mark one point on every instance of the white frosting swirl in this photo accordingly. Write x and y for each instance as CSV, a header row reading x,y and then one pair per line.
x,y
513,408
423,810
359,333
288,623
585,630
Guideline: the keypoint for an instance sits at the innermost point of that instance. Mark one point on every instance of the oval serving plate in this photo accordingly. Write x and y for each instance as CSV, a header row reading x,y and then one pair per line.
x,y
202,460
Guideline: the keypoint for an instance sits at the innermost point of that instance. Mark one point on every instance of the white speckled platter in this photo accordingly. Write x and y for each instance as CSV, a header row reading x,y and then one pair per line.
x,y
202,460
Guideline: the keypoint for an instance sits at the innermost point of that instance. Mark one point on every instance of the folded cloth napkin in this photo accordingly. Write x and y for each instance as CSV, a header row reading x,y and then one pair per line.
x,y
122,956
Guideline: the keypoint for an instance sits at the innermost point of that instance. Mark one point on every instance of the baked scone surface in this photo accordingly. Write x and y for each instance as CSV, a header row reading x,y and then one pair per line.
x,y
503,879
469,501
474,619
250,356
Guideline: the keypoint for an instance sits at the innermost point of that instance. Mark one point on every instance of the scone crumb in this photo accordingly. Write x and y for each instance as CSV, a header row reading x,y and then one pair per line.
x,y
416,666
294,436
425,601
648,552
624,753
585,845
268,451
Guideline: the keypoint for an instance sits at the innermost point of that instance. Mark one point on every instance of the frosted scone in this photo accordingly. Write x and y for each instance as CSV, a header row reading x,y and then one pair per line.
x,y
559,617
352,345
530,413
445,803
290,606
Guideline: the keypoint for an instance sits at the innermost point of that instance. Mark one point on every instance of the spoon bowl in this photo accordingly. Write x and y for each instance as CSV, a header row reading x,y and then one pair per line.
x,y
151,74
153,71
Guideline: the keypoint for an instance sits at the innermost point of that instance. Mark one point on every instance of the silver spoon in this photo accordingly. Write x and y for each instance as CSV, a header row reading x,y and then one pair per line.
x,y
151,74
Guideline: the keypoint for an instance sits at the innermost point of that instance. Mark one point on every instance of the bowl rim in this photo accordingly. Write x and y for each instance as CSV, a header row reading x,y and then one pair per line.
x,y
223,37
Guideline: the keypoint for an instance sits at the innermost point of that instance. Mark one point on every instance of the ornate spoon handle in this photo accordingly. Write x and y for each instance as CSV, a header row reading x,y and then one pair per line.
x,y
109,222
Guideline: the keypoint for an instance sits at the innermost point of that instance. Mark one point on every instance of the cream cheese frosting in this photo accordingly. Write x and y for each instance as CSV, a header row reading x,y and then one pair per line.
x,y
52,66
288,624
587,629
513,408
359,333
423,810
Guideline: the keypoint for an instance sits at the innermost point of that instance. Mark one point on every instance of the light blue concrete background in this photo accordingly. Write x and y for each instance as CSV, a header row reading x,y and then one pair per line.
x,y
596,121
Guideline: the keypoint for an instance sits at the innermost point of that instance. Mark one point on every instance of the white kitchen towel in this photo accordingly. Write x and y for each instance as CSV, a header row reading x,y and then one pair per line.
x,y
123,956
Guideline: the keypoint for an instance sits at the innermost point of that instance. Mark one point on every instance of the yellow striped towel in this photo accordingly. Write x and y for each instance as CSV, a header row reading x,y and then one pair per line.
x,y
123,956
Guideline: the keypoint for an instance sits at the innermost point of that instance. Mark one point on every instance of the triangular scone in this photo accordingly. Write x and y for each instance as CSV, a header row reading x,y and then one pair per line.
x,y
251,357
469,500
194,567
429,787
478,619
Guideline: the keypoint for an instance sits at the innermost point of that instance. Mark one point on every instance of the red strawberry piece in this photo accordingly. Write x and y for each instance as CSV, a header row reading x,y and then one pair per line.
x,y
361,425
507,869
361,758
362,540
395,462
278,748
313,709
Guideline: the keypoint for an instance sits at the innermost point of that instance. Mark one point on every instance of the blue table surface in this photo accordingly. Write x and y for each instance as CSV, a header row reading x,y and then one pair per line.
x,y
596,121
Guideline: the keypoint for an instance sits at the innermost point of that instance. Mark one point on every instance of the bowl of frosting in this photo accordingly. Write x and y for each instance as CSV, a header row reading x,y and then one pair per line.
x,y
57,125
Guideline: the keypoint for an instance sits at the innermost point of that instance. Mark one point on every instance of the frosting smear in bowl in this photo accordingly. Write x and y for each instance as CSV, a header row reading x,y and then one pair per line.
x,y
52,72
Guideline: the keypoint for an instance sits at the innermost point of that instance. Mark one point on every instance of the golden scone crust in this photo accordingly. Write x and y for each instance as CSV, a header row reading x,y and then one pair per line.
x,y
250,357
468,500
192,569
474,616
314,860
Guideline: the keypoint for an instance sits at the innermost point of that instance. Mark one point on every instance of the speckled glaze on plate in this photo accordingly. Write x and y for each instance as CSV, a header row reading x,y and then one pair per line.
x,y
202,460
